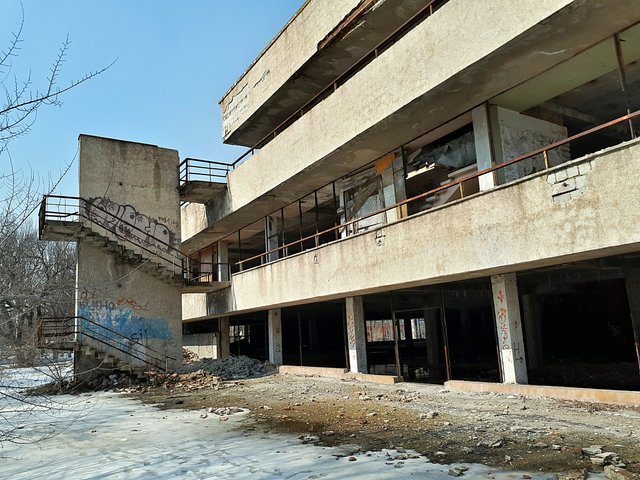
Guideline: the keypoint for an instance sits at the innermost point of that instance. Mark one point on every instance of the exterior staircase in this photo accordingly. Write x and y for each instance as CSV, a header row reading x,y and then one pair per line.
x,y
113,350
63,218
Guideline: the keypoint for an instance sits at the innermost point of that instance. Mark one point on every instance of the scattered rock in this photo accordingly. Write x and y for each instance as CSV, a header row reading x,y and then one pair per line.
x,y
328,433
617,473
592,450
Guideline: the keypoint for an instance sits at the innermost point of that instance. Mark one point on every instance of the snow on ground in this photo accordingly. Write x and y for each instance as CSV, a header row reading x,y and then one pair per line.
x,y
109,436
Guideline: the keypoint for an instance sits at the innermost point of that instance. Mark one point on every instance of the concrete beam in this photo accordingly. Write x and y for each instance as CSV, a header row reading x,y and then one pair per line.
x,y
509,328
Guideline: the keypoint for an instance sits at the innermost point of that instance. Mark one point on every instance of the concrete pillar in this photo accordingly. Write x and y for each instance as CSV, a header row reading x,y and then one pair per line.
x,y
532,330
272,232
431,320
275,336
356,335
484,138
509,328
223,337
632,278
222,259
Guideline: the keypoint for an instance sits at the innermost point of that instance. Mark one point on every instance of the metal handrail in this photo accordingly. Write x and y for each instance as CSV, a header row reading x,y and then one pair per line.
x,y
459,183
194,169
122,344
213,272
156,247
79,209
425,12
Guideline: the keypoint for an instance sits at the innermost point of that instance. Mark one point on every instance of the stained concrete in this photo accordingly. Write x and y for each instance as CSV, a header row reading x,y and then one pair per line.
x,y
432,71
478,236
250,111
136,183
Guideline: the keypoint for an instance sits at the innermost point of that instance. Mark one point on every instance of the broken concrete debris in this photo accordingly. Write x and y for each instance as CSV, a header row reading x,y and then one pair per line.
x,y
230,368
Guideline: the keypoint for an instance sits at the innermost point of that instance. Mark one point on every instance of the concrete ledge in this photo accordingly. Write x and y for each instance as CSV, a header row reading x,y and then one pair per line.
x,y
594,395
318,371
338,373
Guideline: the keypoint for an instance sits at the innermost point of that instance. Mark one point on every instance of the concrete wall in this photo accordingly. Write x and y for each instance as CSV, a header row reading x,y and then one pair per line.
x,y
136,183
205,345
576,211
287,52
120,297
436,75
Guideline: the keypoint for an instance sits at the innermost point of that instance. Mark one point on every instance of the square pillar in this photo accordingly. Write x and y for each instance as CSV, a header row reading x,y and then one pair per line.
x,y
222,259
223,337
274,319
484,139
509,328
356,335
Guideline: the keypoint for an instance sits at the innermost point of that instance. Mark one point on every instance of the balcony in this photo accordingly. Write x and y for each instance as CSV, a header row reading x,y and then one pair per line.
x,y
202,180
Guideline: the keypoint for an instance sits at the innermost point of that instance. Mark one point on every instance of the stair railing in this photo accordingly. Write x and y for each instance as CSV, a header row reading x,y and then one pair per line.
x,y
62,208
56,328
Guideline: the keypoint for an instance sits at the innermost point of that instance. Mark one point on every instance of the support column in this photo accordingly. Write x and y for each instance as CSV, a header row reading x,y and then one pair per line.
x,y
223,337
632,278
275,336
509,328
222,259
272,230
532,330
356,335
486,137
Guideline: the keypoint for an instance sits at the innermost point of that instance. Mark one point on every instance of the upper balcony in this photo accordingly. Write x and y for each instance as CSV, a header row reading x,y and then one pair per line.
x,y
570,212
313,51
202,180
554,56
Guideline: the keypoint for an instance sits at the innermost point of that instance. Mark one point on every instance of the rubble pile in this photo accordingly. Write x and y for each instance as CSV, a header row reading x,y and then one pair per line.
x,y
188,356
231,368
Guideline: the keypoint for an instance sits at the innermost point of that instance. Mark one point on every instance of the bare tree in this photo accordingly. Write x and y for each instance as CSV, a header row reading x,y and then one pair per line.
x,y
36,278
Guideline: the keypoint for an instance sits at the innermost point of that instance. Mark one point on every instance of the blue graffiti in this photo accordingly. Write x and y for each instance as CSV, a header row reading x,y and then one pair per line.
x,y
119,322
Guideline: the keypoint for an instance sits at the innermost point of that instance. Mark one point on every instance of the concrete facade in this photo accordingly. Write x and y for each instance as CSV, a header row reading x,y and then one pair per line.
x,y
364,119
376,232
490,240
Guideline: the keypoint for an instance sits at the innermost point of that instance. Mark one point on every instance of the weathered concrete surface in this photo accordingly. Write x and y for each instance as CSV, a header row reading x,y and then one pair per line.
x,y
595,395
246,121
204,345
122,298
496,46
286,53
514,227
136,184
194,305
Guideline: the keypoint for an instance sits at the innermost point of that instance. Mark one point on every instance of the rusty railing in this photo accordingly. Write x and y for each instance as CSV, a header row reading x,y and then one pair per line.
x,y
349,228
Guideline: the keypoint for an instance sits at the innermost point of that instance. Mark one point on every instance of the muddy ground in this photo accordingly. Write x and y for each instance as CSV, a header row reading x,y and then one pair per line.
x,y
505,431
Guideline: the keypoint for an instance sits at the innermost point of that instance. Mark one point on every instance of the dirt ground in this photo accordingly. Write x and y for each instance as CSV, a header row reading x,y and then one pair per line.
x,y
506,431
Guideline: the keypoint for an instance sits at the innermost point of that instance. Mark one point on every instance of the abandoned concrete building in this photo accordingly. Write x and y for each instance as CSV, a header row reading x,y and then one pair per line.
x,y
433,189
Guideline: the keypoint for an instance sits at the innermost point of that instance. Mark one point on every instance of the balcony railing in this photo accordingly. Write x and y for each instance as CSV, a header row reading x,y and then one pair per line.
x,y
350,228
196,170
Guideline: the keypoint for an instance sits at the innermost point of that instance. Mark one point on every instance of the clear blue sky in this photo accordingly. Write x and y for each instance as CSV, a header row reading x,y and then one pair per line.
x,y
175,61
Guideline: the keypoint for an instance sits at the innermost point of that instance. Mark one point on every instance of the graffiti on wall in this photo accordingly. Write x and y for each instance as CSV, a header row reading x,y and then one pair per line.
x,y
126,221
